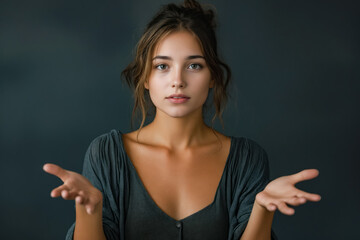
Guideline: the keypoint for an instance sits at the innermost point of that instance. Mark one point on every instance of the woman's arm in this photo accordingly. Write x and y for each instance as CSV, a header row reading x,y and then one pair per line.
x,y
278,194
88,200
259,225
89,226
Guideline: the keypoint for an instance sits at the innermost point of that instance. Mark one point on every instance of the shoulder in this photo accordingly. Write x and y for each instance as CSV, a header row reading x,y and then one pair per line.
x,y
105,165
245,146
111,138
112,135
247,155
105,148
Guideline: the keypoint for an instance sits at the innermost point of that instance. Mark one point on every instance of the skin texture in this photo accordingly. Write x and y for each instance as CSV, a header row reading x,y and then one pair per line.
x,y
179,67
189,154
186,155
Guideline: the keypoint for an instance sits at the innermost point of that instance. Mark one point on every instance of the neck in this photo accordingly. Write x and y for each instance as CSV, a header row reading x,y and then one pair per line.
x,y
178,133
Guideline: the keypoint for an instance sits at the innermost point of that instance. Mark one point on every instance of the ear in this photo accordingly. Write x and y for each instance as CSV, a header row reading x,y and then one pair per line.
x,y
146,85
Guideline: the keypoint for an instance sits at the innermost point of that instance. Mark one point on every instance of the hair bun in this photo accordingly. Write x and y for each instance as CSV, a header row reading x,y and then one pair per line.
x,y
210,16
192,4
208,13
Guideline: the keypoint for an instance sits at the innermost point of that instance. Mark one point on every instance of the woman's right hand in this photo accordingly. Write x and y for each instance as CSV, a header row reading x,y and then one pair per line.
x,y
76,187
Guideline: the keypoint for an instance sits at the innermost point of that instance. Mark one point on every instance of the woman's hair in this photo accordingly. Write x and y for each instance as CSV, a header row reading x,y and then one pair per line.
x,y
191,17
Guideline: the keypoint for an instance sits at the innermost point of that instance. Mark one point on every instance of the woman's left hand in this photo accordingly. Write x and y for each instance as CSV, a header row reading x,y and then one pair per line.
x,y
282,192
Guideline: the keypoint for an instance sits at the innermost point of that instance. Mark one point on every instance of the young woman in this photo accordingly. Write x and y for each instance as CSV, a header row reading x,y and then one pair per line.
x,y
177,178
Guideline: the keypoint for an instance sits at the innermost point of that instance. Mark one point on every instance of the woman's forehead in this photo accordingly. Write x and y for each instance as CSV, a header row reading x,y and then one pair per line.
x,y
178,43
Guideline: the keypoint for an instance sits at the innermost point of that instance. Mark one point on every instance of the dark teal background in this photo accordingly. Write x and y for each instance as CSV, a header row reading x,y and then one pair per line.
x,y
295,91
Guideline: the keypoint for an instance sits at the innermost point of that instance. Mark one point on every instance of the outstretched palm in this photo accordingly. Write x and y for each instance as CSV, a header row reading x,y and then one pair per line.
x,y
75,187
282,192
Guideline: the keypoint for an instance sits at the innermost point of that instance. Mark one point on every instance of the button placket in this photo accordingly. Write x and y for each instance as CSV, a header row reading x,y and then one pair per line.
x,y
179,225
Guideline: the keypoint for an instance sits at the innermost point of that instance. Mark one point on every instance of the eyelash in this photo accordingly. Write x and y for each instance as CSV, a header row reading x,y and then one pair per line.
x,y
199,66
160,66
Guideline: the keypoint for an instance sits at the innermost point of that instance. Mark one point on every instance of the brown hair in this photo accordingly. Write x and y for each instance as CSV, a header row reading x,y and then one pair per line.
x,y
189,16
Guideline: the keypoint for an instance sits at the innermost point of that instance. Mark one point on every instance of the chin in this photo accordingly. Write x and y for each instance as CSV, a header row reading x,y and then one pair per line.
x,y
177,115
180,111
180,114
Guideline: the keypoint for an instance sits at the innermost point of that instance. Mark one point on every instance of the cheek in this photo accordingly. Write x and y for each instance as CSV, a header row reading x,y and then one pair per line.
x,y
156,91
201,91
202,86
155,87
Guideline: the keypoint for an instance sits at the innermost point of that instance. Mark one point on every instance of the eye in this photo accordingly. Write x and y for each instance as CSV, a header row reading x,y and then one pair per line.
x,y
195,66
161,67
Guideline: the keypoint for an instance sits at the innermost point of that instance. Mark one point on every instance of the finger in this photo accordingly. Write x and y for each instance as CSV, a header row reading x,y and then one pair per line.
x,y
89,209
296,201
271,207
304,175
265,201
91,204
57,191
72,195
82,198
285,209
55,170
65,194
68,195
79,199
309,196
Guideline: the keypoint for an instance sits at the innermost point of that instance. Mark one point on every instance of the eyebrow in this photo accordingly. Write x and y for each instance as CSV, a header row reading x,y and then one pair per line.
x,y
169,58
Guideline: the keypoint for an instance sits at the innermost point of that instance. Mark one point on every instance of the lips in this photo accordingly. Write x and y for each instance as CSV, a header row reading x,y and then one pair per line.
x,y
178,98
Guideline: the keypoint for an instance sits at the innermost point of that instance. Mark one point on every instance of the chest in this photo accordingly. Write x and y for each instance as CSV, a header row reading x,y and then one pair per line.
x,y
179,183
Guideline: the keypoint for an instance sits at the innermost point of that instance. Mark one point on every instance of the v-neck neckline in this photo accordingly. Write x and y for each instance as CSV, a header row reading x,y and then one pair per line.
x,y
152,200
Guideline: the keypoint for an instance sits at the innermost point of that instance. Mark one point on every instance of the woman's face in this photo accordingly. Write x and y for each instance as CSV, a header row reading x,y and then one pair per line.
x,y
179,81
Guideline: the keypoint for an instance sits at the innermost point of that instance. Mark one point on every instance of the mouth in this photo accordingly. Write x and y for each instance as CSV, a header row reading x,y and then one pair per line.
x,y
177,96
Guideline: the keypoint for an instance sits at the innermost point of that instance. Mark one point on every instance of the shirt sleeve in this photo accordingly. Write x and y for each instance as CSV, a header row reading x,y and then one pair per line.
x,y
252,175
100,169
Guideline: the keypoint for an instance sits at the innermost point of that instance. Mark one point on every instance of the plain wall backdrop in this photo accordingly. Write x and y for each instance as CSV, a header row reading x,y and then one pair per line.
x,y
295,91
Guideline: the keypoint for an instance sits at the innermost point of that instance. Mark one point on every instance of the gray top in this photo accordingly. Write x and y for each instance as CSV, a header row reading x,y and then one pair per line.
x,y
130,213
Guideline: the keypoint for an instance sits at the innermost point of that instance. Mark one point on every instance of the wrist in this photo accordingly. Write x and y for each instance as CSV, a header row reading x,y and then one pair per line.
x,y
260,221
91,204
260,206
98,200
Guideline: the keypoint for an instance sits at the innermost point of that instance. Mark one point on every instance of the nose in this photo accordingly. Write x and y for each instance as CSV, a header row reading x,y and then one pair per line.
x,y
178,80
